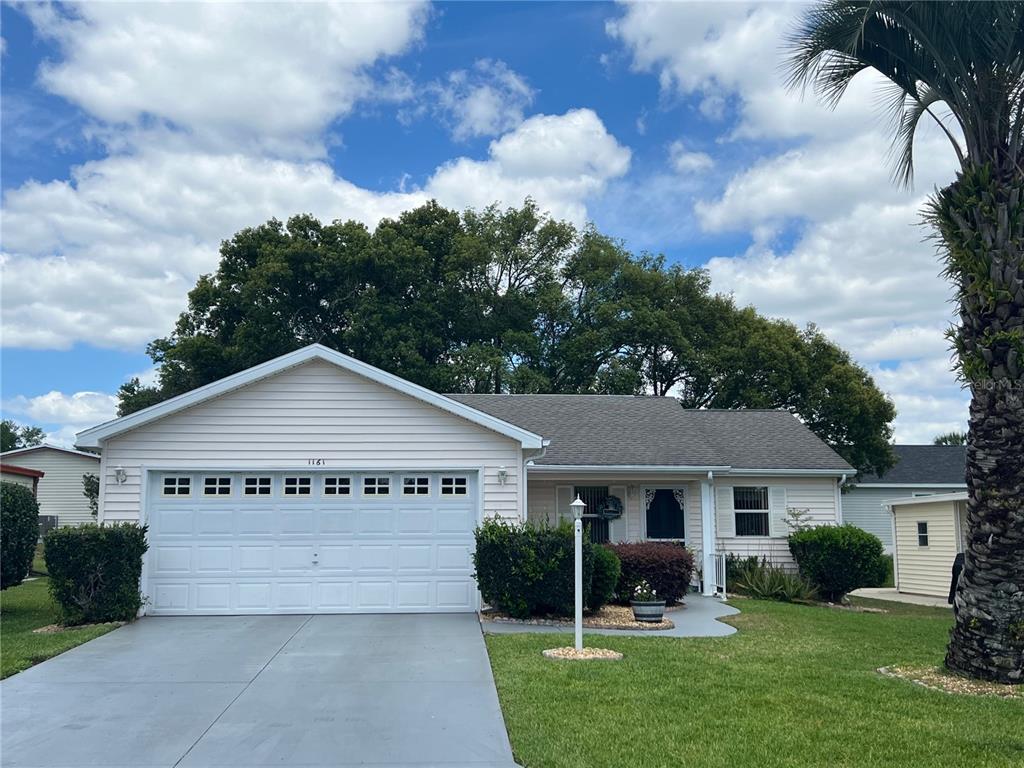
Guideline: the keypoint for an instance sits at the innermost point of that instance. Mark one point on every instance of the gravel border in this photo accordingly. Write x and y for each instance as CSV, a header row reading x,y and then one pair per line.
x,y
609,617
936,679
587,654
54,629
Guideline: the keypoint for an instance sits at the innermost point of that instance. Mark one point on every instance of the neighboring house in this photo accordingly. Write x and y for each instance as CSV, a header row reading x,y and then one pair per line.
x,y
317,483
920,470
60,491
9,473
929,532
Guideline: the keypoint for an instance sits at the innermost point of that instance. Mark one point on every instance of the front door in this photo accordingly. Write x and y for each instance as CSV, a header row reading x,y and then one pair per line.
x,y
594,497
666,518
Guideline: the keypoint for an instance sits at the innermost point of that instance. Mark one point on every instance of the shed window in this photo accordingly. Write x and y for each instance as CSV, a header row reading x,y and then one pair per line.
x,y
376,486
454,486
750,504
337,486
216,486
415,486
922,534
298,486
258,486
177,486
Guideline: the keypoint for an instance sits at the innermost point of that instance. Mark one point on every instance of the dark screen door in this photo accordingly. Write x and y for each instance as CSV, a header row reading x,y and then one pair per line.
x,y
594,497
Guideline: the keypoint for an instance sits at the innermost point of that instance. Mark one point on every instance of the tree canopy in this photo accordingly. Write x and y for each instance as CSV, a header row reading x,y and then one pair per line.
x,y
14,435
950,438
509,301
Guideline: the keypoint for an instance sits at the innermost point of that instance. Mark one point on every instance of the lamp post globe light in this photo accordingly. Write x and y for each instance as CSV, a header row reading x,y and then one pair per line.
x,y
577,508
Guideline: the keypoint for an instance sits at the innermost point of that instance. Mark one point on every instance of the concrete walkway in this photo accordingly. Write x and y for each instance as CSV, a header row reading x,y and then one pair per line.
x,y
697,618
890,594
405,690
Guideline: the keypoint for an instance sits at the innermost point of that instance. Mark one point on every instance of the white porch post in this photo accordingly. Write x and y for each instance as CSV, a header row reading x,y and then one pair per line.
x,y
707,533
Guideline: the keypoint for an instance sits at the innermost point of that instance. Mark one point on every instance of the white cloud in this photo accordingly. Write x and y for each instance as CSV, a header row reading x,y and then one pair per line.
x,y
685,161
57,408
834,241
108,257
230,75
487,100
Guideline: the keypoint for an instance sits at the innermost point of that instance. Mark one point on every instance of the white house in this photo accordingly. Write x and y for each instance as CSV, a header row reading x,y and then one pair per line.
x,y
920,470
928,532
60,489
317,483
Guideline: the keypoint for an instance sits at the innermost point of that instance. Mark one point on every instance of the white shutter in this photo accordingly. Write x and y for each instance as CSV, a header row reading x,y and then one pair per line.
x,y
777,511
725,519
617,528
563,498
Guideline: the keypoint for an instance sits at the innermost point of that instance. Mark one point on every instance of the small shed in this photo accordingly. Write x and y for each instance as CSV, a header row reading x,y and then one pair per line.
x,y
29,478
928,533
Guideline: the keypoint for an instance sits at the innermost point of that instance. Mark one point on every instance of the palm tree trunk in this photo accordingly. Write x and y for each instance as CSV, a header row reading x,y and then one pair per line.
x,y
988,638
981,220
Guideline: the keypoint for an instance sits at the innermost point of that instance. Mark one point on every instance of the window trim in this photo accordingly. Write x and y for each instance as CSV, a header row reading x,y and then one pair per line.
x,y
458,485
338,485
922,534
216,494
303,485
766,513
258,486
177,486
377,485
416,486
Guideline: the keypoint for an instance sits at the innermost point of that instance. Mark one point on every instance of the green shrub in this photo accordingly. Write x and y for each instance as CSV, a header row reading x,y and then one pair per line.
x,y
767,582
19,530
95,571
737,567
666,567
838,559
606,578
525,570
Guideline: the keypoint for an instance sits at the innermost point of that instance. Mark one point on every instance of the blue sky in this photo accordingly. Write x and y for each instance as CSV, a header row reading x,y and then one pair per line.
x,y
135,137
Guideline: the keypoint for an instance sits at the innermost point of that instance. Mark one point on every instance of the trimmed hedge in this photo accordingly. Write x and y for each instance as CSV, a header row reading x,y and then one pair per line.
x,y
607,569
523,570
95,571
19,531
667,567
838,559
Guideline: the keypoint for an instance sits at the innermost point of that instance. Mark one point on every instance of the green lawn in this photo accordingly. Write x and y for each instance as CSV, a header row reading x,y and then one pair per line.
x,y
795,687
28,607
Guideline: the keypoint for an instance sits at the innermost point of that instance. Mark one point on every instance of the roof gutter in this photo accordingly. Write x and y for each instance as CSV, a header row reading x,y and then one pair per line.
x,y
620,468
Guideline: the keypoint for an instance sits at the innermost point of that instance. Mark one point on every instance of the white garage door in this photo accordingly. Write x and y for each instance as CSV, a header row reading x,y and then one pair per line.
x,y
276,542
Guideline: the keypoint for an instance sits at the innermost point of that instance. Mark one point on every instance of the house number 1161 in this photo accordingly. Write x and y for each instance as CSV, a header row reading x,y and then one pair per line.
x,y
316,462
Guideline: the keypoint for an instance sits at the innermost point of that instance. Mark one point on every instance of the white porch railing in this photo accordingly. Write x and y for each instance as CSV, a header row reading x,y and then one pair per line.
x,y
715,566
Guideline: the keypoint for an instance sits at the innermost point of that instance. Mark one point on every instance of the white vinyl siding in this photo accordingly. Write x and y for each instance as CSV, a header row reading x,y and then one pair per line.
x,y
926,570
313,412
11,477
863,506
60,489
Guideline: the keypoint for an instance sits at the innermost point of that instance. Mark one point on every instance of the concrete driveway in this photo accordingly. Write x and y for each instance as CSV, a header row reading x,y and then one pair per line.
x,y
406,690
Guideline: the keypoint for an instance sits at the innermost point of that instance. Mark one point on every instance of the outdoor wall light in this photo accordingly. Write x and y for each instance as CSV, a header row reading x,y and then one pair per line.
x,y
120,476
502,475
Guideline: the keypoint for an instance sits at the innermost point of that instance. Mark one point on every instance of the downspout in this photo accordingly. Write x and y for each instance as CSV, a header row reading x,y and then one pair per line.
x,y
839,499
529,458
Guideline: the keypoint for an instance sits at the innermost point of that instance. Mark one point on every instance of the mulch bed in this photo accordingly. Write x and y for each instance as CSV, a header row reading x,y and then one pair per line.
x,y
609,617
937,679
587,654
53,629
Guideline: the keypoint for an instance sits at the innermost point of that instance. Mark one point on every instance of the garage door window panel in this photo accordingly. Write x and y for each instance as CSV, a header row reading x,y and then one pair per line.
x,y
216,486
258,486
337,486
415,486
177,486
298,486
376,486
454,486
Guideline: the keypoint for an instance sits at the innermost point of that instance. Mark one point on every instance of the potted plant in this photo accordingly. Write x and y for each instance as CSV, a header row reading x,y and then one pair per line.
x,y
645,603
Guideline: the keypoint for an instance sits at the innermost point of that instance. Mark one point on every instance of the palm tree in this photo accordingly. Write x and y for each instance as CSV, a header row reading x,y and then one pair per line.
x,y
961,65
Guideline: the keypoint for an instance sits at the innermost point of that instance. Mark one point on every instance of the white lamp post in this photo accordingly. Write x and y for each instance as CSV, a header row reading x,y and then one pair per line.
x,y
577,508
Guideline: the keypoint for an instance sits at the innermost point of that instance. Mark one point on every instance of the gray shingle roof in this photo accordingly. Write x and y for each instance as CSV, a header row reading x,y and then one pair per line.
x,y
917,464
622,430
